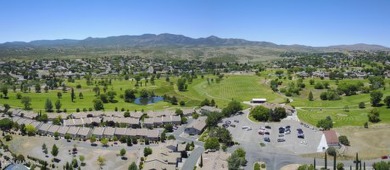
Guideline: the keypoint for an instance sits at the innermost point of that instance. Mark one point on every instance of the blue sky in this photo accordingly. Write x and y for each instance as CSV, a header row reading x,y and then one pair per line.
x,y
307,22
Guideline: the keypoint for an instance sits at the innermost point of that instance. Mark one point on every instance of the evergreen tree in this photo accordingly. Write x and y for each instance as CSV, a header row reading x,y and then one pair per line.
x,y
58,105
48,105
72,95
311,96
201,161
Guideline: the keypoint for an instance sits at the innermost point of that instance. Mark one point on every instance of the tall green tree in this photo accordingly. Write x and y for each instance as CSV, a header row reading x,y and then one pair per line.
x,y
48,105
237,159
4,90
98,104
72,95
232,108
58,105
387,101
260,113
311,96
26,101
54,150
211,143
37,88
373,116
376,97
133,166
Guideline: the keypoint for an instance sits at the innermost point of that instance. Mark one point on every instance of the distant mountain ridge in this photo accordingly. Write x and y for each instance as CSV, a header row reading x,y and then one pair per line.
x,y
171,40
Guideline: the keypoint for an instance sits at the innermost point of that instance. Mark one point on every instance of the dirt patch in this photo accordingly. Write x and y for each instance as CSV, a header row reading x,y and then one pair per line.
x,y
369,143
33,146
290,167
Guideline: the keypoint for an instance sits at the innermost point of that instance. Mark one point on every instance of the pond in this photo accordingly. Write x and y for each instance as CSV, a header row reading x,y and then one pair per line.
x,y
149,100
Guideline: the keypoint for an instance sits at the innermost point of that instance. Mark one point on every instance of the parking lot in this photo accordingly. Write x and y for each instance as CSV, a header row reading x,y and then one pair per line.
x,y
246,132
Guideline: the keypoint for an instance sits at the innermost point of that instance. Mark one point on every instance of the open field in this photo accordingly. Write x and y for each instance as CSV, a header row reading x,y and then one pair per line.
x,y
33,146
241,88
370,143
237,87
312,111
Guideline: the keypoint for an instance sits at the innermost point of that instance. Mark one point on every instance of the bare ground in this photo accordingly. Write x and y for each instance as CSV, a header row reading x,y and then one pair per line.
x,y
370,143
33,146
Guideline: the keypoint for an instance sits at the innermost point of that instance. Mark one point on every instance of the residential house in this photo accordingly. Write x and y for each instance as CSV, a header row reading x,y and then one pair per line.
x,y
98,132
83,133
196,127
53,129
148,122
164,156
109,132
63,130
208,109
119,132
43,128
73,131
176,120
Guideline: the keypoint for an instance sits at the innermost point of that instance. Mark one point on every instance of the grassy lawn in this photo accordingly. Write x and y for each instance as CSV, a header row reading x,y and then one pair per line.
x,y
312,111
237,87
241,88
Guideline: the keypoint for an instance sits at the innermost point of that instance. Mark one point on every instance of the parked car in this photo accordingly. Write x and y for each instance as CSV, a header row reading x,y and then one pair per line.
x,y
225,125
249,128
236,121
267,139
268,127
245,127
232,125
385,157
281,140
261,132
288,127
281,135
228,122
301,136
266,133
209,150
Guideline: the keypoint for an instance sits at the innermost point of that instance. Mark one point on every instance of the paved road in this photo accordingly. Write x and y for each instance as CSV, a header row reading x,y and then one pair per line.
x,y
193,158
195,154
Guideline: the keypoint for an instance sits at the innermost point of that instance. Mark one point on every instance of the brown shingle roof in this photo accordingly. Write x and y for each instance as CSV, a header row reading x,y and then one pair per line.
x,y
331,137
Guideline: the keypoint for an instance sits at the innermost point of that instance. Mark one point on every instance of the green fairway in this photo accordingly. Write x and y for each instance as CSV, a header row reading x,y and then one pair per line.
x,y
241,88
312,111
236,87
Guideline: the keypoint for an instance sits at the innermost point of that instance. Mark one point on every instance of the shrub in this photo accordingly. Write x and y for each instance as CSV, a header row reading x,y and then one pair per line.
x,y
362,105
263,166
366,125
147,151
257,166
344,140
331,151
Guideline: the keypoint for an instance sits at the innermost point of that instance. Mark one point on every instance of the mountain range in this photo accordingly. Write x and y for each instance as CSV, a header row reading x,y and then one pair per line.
x,y
160,40
112,44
